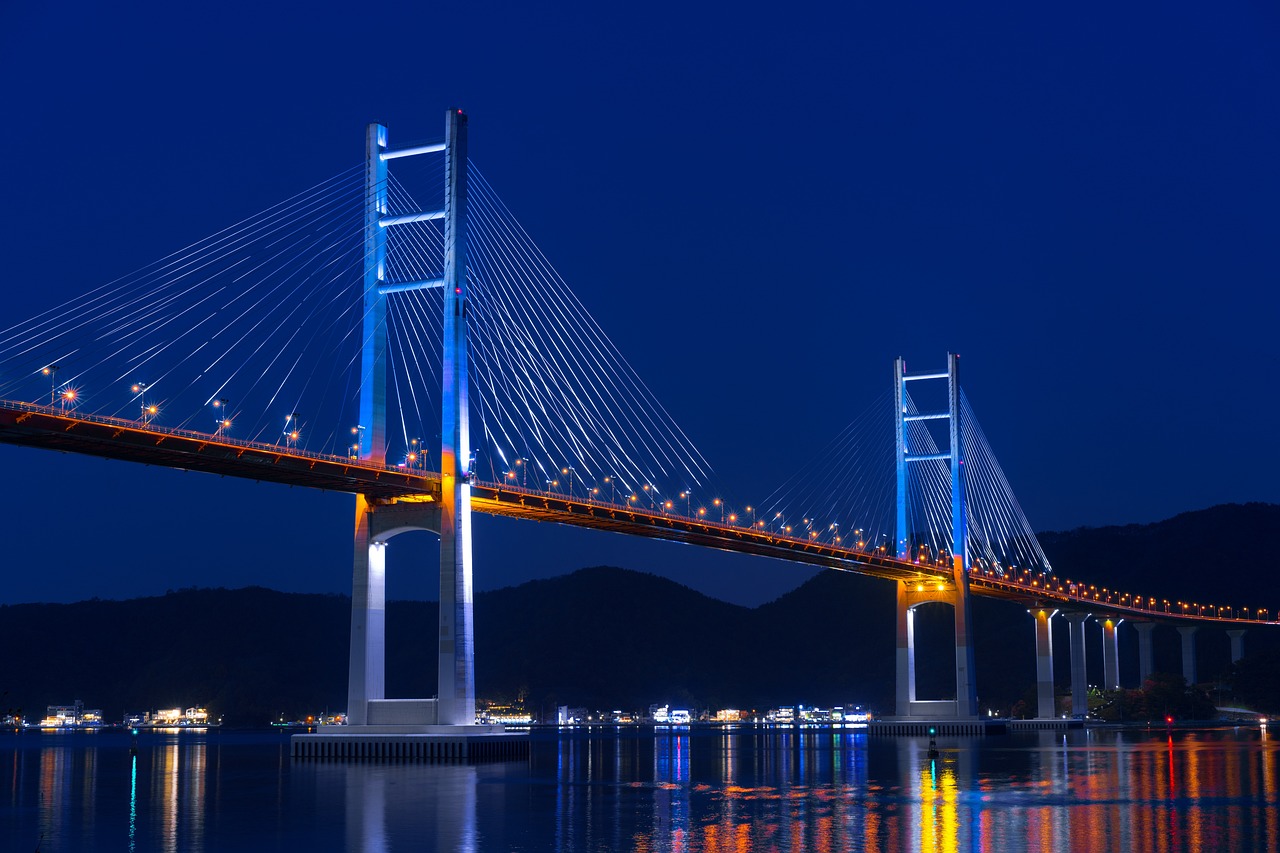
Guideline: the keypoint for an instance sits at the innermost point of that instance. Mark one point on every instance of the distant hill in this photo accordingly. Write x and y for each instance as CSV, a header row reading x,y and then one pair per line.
x,y
1221,555
607,638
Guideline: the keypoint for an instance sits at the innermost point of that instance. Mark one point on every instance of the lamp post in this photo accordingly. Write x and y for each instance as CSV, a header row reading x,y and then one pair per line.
x,y
358,432
52,372
224,416
292,430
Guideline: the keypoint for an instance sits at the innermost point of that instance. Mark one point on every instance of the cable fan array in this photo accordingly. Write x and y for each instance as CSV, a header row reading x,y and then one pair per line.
x,y
255,333
554,405
844,495
847,496
235,334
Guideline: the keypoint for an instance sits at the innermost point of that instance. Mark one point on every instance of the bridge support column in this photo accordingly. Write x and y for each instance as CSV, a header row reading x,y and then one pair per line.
x,y
966,684
1110,654
966,702
906,659
371,432
910,596
456,684
1188,633
1044,663
1146,651
1079,675
367,669
1237,644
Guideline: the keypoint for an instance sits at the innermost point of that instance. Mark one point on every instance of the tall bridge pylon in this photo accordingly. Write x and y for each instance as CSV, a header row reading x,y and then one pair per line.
x,y
450,516
912,595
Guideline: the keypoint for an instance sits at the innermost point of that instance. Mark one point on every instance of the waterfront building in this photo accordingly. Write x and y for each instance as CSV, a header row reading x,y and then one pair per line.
x,y
74,716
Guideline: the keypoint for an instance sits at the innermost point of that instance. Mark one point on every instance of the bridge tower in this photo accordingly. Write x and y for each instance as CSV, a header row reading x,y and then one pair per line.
x,y
450,516
956,594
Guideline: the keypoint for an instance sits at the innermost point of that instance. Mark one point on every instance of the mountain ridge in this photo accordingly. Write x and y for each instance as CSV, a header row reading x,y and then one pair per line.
x,y
600,637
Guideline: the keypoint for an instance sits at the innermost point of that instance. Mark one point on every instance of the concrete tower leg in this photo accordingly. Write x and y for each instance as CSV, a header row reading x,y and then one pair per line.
x,y
906,659
1188,633
1079,676
1237,644
966,683
1044,663
456,684
1146,651
1110,654
367,665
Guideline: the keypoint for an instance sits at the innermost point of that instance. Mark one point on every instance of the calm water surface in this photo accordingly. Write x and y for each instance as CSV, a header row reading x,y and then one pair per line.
x,y
745,789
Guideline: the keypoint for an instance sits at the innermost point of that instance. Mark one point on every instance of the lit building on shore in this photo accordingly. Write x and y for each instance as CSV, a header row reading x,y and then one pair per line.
x,y
75,716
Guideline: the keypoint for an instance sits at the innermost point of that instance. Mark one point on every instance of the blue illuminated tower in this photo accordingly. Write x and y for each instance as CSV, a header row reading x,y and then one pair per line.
x,y
451,515
958,596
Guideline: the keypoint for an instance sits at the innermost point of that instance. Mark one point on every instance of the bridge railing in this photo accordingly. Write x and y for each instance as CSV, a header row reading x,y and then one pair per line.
x,y
212,438
1022,582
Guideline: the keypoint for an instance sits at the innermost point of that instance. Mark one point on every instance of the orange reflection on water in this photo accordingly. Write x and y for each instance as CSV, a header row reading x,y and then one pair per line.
x,y
938,819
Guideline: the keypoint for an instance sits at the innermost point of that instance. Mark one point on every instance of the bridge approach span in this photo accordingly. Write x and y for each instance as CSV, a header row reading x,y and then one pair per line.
x,y
50,428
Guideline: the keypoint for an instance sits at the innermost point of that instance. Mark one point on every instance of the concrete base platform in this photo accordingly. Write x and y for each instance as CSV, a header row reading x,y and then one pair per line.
x,y
1047,724
914,727
441,744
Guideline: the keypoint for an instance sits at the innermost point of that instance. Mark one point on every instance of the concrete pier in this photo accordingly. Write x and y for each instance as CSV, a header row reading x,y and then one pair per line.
x,y
443,744
1079,675
1044,663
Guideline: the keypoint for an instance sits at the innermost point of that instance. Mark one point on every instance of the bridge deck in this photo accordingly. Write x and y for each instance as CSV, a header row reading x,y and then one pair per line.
x,y
46,427
116,438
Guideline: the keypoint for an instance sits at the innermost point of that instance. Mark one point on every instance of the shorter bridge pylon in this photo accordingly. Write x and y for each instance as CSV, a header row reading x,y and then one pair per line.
x,y
956,593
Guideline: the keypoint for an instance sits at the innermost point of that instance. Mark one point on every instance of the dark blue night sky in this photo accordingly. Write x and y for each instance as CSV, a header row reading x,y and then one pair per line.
x,y
762,205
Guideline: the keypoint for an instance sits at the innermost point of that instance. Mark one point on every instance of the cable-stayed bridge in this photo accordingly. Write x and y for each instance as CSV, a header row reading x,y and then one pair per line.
x,y
341,339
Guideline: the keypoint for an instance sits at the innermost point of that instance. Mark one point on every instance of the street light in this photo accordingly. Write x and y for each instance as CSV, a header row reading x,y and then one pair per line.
x,y
224,416
358,432
52,372
719,503
148,412
68,399
292,429
687,494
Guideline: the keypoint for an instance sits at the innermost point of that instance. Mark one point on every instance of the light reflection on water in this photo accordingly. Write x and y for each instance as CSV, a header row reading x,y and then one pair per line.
x,y
668,791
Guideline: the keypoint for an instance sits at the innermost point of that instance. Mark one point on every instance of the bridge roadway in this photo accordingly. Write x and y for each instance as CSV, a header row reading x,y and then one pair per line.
x,y
50,428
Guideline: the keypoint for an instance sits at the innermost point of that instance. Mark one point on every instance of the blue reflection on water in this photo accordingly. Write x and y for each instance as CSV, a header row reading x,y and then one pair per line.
x,y
667,790
133,804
